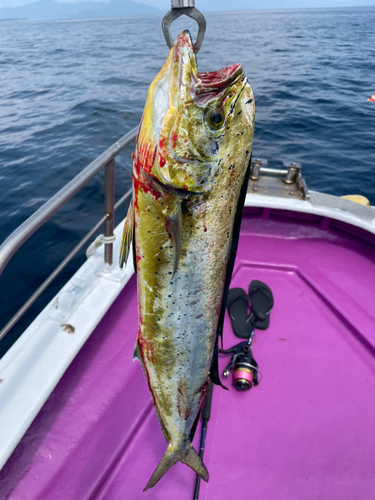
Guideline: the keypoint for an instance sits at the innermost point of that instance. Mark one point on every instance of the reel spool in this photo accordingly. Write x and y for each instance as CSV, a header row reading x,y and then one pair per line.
x,y
243,366
243,378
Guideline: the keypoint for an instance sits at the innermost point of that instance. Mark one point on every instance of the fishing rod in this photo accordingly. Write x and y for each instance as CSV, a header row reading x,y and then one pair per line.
x,y
206,414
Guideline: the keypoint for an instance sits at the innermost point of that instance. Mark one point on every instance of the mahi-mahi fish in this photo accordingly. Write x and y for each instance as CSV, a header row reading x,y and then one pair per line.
x,y
190,170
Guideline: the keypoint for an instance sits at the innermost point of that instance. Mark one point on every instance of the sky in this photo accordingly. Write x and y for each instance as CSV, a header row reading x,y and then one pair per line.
x,y
206,5
248,4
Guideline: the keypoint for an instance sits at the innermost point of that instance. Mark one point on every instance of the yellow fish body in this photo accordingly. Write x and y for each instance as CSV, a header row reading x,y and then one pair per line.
x,y
189,181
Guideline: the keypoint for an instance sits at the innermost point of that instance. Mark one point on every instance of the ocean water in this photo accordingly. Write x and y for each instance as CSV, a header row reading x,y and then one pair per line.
x,y
71,88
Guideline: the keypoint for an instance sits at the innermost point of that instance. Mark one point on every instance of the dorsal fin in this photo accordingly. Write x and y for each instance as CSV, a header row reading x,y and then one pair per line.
x,y
214,370
127,235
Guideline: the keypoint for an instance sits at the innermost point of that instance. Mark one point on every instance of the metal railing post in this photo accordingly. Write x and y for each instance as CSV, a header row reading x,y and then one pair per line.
x,y
109,210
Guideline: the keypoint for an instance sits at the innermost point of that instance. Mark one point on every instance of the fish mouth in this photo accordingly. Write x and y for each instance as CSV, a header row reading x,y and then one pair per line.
x,y
208,82
214,81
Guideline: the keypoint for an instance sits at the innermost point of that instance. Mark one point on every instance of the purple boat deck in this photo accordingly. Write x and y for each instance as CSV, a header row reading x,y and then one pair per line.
x,y
306,432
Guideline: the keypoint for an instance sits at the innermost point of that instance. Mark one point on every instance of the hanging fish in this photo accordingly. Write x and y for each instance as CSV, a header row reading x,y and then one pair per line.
x,y
372,98
190,172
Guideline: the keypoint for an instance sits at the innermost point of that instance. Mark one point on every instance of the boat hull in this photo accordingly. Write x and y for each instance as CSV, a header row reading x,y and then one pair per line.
x,y
305,432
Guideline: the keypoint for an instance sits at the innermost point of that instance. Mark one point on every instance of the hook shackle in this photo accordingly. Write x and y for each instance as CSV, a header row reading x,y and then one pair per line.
x,y
178,4
187,8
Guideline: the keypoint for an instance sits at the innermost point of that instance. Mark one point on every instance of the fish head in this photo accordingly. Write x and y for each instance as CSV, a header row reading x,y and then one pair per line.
x,y
197,128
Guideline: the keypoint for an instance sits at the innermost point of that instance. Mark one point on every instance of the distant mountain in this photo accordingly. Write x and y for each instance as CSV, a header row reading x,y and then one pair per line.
x,y
43,9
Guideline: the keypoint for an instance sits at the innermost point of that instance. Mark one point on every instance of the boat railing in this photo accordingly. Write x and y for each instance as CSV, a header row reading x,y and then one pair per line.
x,y
107,161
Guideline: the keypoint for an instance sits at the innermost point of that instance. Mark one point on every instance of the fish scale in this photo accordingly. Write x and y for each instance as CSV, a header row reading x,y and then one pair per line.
x,y
192,154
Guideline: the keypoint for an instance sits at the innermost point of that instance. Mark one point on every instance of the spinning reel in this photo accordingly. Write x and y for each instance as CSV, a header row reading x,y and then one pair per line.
x,y
244,366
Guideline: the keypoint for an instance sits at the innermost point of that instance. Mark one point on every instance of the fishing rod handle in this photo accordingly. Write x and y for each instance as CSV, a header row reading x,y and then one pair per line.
x,y
206,413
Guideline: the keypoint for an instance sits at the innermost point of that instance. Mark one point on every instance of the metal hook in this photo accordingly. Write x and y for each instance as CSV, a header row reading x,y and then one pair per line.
x,y
179,8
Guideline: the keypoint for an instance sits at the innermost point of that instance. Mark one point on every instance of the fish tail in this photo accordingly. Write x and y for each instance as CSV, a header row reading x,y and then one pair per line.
x,y
187,456
193,460
170,458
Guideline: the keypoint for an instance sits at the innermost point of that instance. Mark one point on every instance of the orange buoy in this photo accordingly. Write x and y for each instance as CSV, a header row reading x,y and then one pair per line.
x,y
372,98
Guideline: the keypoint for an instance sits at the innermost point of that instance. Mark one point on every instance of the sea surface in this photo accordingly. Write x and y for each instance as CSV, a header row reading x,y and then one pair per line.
x,y
71,88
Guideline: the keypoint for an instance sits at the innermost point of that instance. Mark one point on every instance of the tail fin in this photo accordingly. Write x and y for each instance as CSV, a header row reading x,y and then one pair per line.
x,y
193,460
187,456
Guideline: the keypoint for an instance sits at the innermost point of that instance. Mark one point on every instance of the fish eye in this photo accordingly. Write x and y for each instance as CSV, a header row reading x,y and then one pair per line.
x,y
215,118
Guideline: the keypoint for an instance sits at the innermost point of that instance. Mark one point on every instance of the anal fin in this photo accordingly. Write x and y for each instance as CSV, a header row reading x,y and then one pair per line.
x,y
137,354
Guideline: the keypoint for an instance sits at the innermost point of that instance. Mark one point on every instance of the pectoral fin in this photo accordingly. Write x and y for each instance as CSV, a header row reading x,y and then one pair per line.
x,y
127,235
173,224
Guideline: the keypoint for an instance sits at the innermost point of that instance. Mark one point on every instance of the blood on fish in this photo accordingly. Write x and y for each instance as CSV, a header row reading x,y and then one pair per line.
x,y
145,345
153,158
174,138
162,161
143,183
139,343
216,80
178,408
204,389
187,413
